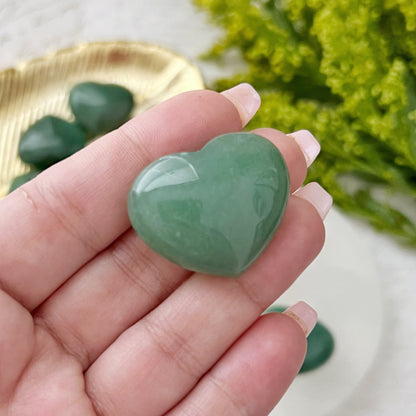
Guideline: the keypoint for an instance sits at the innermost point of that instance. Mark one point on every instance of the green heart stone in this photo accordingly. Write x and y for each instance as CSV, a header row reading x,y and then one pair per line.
x,y
320,348
214,210
50,140
100,108
21,179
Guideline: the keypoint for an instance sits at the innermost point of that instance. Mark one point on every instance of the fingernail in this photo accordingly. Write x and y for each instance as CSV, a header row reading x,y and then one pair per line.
x,y
317,196
309,145
246,100
305,316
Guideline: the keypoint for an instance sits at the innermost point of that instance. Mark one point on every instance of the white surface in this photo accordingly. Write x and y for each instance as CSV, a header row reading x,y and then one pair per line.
x,y
349,302
31,28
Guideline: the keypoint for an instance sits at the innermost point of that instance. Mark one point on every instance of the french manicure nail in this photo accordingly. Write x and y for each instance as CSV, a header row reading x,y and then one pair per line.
x,y
304,315
309,145
246,100
317,196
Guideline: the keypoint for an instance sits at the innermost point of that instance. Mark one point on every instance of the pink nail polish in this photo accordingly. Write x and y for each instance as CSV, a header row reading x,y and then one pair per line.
x,y
317,196
246,100
305,316
309,145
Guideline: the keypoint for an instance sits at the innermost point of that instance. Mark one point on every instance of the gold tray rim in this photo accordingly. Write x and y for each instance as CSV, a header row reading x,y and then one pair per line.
x,y
50,55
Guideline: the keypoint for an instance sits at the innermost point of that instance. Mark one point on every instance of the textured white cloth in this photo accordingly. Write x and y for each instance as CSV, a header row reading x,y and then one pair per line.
x,y
30,29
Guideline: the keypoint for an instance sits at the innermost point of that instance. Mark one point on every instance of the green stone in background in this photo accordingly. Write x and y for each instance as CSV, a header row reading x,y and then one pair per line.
x,y
50,140
320,348
215,210
100,108
20,180
320,344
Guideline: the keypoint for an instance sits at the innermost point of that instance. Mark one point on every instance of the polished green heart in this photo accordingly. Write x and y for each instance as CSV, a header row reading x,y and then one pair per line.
x,y
215,210
100,108
50,140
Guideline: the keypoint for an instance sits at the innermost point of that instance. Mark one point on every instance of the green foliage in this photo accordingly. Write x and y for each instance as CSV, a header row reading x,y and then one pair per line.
x,y
346,70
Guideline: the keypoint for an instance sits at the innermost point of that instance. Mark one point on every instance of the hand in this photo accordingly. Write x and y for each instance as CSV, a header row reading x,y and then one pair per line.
x,y
92,321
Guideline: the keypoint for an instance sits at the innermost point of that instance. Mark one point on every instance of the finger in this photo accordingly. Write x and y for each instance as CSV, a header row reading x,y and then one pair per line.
x,y
82,312
299,150
253,375
16,343
171,347
107,296
60,220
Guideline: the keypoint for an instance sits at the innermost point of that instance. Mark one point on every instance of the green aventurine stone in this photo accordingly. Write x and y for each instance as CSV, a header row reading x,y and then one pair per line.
x,y
320,344
50,140
320,348
20,180
100,108
215,210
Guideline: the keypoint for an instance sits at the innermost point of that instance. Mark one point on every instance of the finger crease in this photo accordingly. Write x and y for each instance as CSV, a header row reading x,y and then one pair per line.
x,y
64,221
134,264
249,295
79,352
241,409
175,347
137,142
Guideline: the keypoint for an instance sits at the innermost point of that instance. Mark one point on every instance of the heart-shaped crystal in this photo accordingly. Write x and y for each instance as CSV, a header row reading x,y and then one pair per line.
x,y
50,140
100,108
215,210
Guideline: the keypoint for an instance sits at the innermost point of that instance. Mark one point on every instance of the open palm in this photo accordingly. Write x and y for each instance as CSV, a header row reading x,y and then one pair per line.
x,y
92,321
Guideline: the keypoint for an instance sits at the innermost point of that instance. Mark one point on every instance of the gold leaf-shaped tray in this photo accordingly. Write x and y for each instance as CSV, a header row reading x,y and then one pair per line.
x,y
40,87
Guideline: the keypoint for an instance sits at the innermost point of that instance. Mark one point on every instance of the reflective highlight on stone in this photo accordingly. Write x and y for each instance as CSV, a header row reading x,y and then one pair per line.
x,y
100,108
215,210
50,140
